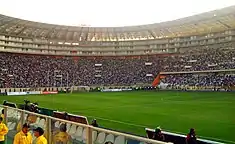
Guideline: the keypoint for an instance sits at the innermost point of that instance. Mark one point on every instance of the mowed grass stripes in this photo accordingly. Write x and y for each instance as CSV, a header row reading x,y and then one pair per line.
x,y
212,114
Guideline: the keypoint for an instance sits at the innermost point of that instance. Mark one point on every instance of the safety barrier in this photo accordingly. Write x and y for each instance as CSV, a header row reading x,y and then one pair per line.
x,y
62,131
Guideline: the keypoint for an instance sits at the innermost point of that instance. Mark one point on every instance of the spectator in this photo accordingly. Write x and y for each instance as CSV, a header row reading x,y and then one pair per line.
x,y
32,71
94,123
62,137
38,133
23,137
3,131
191,137
199,80
158,135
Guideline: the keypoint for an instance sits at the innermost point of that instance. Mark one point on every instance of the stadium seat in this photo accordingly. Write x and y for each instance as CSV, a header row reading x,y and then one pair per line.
x,y
84,135
100,138
72,131
78,134
36,124
120,140
94,136
18,115
9,124
109,138
13,125
42,123
57,124
68,126
25,116
10,113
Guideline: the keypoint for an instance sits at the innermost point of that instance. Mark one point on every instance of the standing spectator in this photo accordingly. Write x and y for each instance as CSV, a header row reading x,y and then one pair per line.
x,y
23,137
191,137
38,133
3,131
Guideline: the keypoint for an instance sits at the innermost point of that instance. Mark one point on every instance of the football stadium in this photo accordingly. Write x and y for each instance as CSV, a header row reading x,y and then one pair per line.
x,y
168,82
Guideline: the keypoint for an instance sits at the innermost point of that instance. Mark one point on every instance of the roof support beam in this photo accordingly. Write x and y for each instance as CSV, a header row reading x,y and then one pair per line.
x,y
224,24
80,34
151,33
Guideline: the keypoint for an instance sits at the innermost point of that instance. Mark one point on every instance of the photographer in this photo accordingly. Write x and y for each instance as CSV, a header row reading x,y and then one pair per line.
x,y
32,107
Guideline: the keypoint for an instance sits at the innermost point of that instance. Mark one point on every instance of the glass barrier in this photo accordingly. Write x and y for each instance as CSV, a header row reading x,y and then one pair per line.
x,y
105,137
35,120
66,133
59,131
13,122
2,112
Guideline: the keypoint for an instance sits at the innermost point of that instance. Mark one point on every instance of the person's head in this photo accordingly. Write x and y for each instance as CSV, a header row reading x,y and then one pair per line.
x,y
157,130
66,116
94,121
38,132
25,128
63,128
108,142
1,119
192,131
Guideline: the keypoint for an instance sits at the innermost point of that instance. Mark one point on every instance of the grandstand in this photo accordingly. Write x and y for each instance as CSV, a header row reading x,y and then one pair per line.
x,y
193,53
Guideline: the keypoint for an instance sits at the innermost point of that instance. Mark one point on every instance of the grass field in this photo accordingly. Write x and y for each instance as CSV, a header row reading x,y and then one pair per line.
x,y
212,114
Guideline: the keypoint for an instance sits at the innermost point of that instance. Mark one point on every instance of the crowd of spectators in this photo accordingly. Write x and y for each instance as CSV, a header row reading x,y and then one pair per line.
x,y
201,80
21,70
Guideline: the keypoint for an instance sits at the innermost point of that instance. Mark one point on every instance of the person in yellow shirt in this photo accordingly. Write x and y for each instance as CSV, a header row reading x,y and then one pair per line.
x,y
23,137
38,133
62,137
3,131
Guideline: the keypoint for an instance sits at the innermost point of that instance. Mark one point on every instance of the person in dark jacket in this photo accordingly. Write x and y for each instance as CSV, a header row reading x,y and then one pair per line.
x,y
191,137
158,135
94,123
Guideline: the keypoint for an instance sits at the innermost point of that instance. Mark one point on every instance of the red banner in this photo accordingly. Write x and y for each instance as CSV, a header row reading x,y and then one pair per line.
x,y
50,92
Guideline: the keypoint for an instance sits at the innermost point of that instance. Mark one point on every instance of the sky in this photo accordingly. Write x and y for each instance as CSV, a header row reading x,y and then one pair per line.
x,y
107,13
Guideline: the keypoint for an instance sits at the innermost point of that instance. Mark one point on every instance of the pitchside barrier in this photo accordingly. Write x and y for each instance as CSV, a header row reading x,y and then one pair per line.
x,y
58,131
177,138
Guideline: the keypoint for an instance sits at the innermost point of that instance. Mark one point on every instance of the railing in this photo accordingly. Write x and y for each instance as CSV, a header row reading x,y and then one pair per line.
x,y
58,131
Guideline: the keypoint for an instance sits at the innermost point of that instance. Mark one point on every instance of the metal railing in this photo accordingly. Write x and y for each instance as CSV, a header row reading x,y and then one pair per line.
x,y
58,131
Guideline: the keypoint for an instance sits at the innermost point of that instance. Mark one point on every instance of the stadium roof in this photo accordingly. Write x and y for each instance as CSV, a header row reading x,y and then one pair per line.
x,y
214,21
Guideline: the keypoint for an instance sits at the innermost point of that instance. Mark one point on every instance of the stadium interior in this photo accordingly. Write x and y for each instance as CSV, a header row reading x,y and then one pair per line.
x,y
196,53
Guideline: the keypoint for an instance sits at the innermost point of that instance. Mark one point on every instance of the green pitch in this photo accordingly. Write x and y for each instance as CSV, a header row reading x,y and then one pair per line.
x,y
212,114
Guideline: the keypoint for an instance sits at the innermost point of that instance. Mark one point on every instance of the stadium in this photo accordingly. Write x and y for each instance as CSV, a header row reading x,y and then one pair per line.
x,y
176,75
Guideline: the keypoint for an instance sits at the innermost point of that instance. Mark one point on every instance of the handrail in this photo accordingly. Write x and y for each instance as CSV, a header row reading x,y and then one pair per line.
x,y
181,135
91,127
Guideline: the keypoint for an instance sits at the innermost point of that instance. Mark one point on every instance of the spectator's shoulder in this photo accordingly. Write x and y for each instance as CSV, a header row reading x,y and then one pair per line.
x,y
188,136
17,135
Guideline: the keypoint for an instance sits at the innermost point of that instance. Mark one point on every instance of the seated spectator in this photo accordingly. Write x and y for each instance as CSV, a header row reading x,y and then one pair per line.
x,y
158,135
32,71
191,137
62,137
94,123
